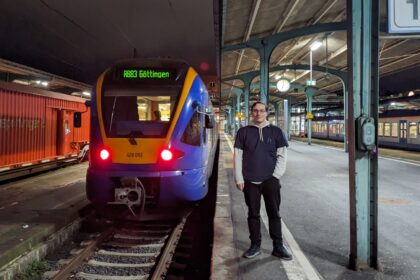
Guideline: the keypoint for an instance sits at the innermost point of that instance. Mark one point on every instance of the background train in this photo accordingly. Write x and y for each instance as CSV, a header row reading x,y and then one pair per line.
x,y
37,131
153,136
396,128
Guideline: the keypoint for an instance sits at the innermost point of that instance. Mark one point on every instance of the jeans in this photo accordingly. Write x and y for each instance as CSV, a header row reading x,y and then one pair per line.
x,y
270,190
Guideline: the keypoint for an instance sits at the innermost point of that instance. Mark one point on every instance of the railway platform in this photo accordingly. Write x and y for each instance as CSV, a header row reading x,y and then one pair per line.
x,y
37,213
315,217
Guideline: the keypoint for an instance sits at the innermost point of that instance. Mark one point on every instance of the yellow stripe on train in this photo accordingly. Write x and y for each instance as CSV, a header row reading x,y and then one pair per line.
x,y
147,150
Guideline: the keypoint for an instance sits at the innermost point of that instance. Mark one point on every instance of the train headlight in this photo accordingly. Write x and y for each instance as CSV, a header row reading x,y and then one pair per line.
x,y
166,155
104,154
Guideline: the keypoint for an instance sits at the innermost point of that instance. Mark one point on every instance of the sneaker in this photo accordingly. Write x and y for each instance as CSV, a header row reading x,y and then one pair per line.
x,y
252,252
282,253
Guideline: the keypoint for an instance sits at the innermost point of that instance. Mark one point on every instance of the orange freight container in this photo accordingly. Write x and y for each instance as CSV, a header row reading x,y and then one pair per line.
x,y
36,127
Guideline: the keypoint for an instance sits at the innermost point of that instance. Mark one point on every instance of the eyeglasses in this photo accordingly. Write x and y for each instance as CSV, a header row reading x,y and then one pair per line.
x,y
255,111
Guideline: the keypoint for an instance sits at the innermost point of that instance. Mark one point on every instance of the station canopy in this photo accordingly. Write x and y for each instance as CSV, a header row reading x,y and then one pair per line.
x,y
245,21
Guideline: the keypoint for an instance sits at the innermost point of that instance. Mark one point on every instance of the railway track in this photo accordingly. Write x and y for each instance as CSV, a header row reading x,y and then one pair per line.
x,y
129,251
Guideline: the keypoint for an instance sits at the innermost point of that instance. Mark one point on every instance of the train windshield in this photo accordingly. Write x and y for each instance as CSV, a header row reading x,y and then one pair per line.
x,y
140,108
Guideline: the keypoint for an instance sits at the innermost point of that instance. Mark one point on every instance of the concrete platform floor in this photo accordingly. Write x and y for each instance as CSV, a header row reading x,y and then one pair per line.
x,y
315,212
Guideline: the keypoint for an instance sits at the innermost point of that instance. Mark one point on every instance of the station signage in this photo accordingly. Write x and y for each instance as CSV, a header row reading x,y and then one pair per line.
x,y
403,16
310,83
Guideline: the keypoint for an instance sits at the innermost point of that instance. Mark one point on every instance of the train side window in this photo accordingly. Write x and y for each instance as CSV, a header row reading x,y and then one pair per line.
x,y
324,128
380,129
204,130
387,129
336,128
394,130
412,130
191,135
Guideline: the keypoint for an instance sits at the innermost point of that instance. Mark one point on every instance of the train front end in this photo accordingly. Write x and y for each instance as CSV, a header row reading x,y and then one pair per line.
x,y
146,146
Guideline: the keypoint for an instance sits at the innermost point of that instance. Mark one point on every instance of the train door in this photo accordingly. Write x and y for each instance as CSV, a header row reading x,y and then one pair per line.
x,y
403,132
63,132
51,132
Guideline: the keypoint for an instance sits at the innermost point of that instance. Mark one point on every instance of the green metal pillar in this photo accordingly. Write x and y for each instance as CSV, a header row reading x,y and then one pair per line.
x,y
286,108
362,40
229,120
247,86
288,115
264,70
346,119
309,94
234,111
276,113
238,110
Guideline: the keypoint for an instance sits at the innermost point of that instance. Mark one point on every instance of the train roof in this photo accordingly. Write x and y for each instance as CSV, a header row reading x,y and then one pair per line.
x,y
40,92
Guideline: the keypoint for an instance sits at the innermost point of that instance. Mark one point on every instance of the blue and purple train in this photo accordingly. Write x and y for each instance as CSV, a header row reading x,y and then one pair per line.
x,y
153,135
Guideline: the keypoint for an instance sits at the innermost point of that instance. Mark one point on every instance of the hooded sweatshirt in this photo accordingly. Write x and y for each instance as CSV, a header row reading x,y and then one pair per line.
x,y
260,152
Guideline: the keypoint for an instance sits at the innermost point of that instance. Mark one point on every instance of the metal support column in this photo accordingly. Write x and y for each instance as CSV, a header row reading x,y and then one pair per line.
x,y
289,115
286,116
238,110
264,70
276,114
309,114
362,41
229,120
346,118
247,86
233,117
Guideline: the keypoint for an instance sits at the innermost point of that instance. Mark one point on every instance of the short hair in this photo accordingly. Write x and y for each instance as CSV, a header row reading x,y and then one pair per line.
x,y
259,102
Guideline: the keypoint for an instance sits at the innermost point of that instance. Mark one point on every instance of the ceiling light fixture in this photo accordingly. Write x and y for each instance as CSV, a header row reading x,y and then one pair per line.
x,y
315,45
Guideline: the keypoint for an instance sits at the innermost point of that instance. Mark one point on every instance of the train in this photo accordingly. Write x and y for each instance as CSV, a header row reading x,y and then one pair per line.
x,y
153,137
396,128
37,130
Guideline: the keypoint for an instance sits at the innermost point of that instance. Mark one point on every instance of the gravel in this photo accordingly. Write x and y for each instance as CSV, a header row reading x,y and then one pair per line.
x,y
104,270
133,250
123,259
138,241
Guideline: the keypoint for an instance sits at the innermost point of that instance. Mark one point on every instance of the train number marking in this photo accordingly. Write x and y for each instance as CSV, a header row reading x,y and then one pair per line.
x,y
134,155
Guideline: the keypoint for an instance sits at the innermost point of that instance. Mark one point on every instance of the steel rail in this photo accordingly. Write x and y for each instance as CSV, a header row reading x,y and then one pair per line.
x,y
87,252
166,257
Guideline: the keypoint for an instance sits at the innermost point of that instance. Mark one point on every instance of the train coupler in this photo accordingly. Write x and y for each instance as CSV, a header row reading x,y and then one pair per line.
x,y
132,194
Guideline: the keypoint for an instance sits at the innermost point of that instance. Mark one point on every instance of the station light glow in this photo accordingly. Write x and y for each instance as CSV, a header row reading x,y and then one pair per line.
x,y
315,45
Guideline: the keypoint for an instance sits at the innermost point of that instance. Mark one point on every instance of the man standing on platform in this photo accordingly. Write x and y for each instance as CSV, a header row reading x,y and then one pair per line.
x,y
259,162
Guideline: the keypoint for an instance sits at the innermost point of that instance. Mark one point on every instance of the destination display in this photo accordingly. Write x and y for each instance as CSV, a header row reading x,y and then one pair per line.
x,y
147,74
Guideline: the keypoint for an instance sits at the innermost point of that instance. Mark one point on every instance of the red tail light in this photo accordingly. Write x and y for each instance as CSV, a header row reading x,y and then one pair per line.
x,y
166,155
169,154
104,154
